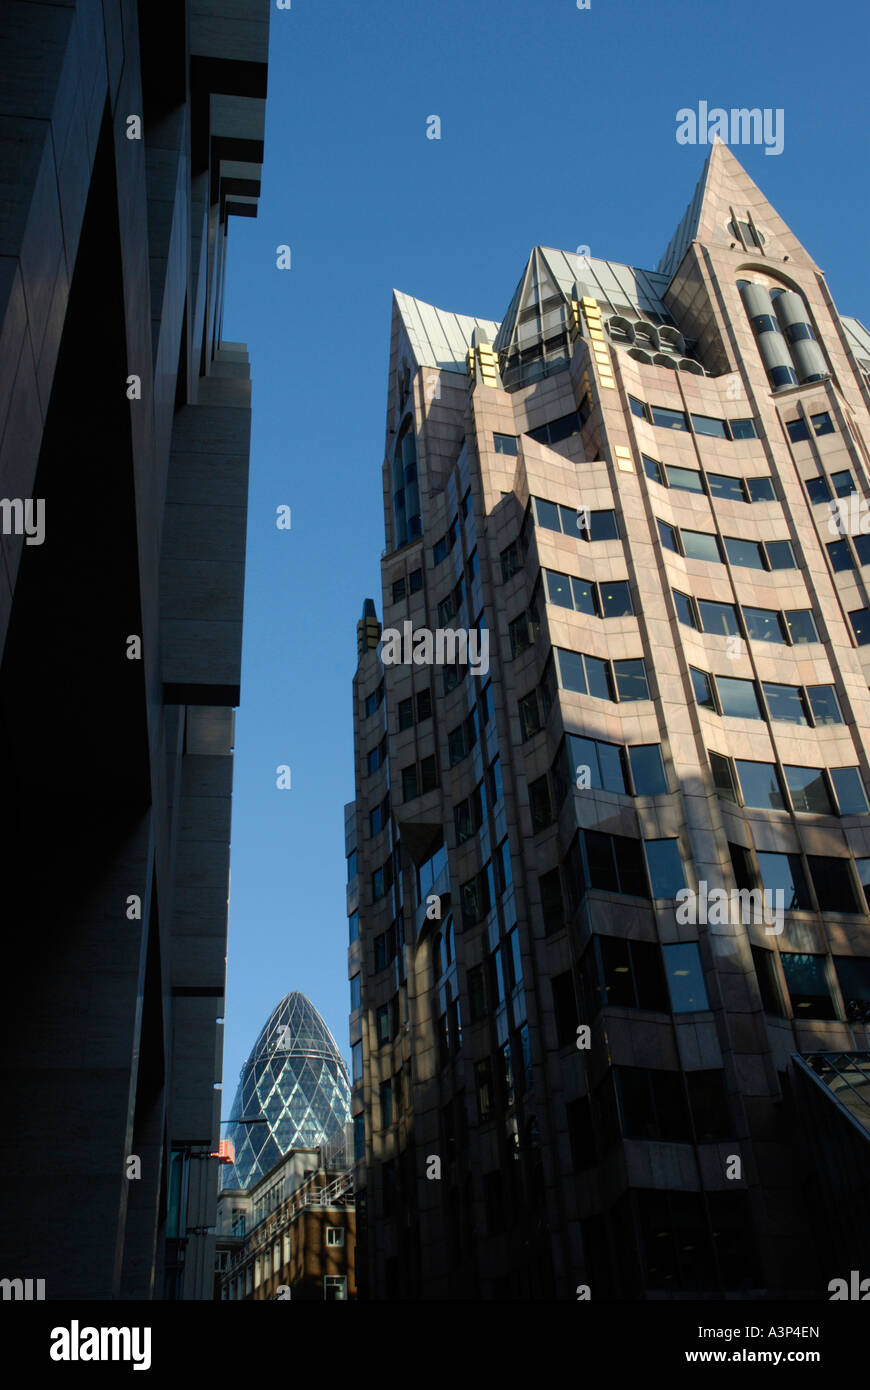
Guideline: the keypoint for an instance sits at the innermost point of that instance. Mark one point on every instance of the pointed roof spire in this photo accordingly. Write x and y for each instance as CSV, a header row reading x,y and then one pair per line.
x,y
728,209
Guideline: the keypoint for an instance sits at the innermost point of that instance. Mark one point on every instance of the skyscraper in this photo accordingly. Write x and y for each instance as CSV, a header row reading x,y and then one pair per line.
x,y
293,1092
609,855
131,134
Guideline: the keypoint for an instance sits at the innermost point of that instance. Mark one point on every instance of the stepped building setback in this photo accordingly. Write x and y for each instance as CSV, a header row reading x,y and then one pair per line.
x,y
573,1068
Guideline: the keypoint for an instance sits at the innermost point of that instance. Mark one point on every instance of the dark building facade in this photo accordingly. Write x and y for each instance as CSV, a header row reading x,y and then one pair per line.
x,y
647,490
130,134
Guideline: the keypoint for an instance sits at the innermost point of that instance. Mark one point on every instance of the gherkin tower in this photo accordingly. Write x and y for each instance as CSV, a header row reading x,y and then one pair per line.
x,y
293,1093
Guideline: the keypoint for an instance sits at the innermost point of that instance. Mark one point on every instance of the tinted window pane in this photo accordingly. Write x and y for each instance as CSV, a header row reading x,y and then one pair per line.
x,y
571,673
807,986
703,689
784,702
665,867
860,620
558,588
760,785
808,789
616,599
761,489
631,680
597,678
817,489
505,443
615,967
824,704
602,867
863,867
822,423
583,593
647,769
784,872
706,424
668,419
630,866
637,407
843,483
801,625
849,790
723,777
743,429
768,983
797,430
685,977
833,883
738,697
574,522
610,767
700,545
719,618
780,555
721,485
763,624
547,514
602,526
686,479
745,553
668,537
840,555
862,547
853,974
683,605
652,468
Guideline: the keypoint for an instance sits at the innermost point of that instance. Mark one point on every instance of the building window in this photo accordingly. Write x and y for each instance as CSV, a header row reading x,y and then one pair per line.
x,y
356,1056
783,873
647,769
849,790
737,697
668,419
768,981
853,976
685,606
638,408
707,424
627,974
822,423
386,1093
335,1288
665,866
763,624
801,626
832,881
652,1105
505,443
700,545
824,704
335,1235
685,977
719,619
808,990
398,590
808,790
552,902
817,489
354,992
860,620
797,430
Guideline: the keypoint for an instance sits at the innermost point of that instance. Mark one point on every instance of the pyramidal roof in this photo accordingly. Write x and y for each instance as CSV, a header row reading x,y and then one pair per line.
x,y
725,193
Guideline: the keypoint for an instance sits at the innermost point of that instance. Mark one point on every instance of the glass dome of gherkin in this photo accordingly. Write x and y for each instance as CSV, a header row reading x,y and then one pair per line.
x,y
294,1087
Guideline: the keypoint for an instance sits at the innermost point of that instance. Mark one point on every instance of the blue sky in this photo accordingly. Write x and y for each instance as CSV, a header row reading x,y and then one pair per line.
x,y
557,128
